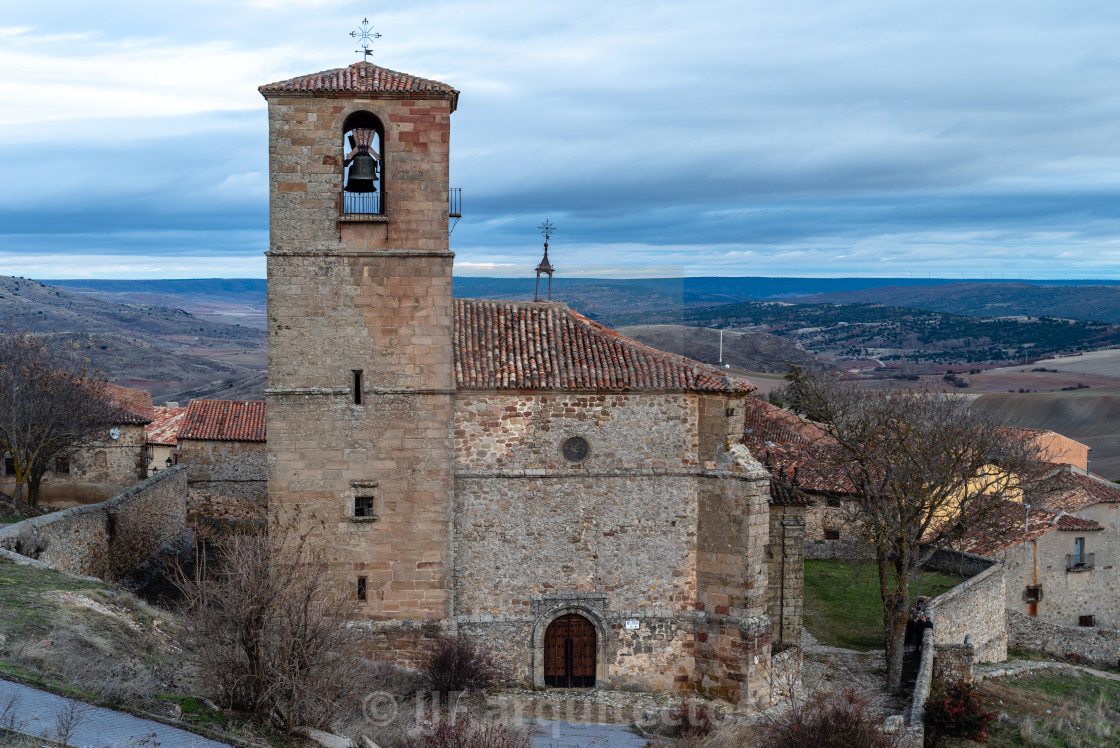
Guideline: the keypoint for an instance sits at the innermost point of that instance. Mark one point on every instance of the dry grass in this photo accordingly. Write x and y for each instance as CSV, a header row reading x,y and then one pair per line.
x,y
1064,710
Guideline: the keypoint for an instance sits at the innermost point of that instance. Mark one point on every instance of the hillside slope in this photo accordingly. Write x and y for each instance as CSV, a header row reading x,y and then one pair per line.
x,y
750,351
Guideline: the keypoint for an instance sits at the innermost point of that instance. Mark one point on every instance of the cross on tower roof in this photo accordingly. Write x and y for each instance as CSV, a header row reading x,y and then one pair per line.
x,y
545,266
365,36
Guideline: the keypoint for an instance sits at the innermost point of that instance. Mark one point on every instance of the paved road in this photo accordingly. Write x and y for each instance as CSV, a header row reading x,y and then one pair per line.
x,y
552,734
38,711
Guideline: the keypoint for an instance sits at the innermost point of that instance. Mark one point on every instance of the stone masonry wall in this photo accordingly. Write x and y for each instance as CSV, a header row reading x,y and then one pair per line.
x,y
1067,595
108,539
786,573
97,472
974,608
226,479
1094,645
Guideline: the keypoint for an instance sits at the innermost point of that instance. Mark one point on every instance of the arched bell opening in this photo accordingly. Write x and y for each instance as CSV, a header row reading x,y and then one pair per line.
x,y
570,652
364,164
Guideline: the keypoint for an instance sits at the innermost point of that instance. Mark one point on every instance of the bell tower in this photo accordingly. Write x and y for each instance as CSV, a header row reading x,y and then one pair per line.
x,y
360,372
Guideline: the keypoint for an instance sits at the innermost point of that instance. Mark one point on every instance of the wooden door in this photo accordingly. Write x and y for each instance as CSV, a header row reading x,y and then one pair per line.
x,y
569,653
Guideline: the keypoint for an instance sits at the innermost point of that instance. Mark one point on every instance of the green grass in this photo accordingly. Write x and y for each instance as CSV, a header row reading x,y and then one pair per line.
x,y
842,603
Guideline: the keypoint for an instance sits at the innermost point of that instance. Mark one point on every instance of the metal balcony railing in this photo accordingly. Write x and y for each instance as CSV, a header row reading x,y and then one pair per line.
x,y
361,203
455,202
1084,562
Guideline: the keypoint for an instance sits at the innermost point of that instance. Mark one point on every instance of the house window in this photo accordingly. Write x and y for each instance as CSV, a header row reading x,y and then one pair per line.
x,y
1079,560
361,588
1086,620
62,465
9,466
1078,549
363,507
1032,594
357,386
831,534
833,502
364,165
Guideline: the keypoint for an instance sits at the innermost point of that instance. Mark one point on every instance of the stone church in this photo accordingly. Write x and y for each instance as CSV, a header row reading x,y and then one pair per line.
x,y
507,470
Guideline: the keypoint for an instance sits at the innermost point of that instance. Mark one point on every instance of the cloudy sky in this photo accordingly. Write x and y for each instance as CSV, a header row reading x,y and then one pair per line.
x,y
897,138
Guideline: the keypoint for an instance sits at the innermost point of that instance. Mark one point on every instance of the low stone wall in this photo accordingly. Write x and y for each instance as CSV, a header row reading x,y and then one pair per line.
x,y
959,562
106,540
952,663
975,608
922,685
1095,645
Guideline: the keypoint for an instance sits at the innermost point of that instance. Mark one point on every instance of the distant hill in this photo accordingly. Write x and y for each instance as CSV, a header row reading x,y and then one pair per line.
x,y
1092,302
163,349
750,351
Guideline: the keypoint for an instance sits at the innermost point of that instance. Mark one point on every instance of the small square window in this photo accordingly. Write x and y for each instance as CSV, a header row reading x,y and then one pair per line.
x,y
363,507
361,588
1032,594
1086,620
833,503
831,534
62,466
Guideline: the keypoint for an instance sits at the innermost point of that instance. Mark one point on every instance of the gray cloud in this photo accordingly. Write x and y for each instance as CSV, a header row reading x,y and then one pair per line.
x,y
857,138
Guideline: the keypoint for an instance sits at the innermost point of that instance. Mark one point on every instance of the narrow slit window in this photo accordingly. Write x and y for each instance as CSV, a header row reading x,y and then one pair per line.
x,y
357,386
362,588
10,465
1087,621
62,466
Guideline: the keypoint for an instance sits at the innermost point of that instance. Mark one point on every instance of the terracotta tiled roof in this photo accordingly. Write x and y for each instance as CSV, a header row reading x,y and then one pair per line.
x,y
224,420
523,345
1012,523
764,422
164,426
1069,491
361,77
134,406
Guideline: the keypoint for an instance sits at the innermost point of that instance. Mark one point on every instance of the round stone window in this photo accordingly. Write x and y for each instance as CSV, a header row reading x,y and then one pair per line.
x,y
575,449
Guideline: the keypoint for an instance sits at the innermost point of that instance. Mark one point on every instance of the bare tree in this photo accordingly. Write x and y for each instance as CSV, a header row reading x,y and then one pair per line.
x,y
50,406
920,469
271,628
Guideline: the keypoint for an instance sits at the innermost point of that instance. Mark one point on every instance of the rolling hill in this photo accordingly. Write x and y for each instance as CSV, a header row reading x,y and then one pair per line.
x,y
749,351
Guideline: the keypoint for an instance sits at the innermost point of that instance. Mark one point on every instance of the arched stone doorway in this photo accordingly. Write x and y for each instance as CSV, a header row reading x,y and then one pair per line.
x,y
570,648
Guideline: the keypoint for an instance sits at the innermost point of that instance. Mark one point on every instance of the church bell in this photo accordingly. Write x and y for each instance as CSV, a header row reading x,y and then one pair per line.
x,y
363,166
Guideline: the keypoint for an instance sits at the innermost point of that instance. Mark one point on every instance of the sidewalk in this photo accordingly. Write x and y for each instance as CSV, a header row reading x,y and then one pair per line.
x,y
37,713
553,734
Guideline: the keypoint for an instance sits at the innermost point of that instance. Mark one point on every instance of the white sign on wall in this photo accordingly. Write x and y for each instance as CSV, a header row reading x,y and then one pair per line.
x,y
632,623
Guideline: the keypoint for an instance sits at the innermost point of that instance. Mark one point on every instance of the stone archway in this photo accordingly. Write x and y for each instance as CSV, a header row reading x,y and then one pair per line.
x,y
599,646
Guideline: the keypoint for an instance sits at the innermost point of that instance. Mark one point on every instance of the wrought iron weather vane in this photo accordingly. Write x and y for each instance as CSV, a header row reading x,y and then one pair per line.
x,y
547,229
365,36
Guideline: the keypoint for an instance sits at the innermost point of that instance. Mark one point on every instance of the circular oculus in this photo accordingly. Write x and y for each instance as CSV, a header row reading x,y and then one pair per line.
x,y
575,449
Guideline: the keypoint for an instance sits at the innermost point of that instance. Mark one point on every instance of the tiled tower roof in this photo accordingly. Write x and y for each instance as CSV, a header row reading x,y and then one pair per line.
x,y
362,78
522,345
224,420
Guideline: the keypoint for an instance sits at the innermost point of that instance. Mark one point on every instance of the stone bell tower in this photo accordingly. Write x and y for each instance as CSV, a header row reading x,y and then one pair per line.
x,y
360,373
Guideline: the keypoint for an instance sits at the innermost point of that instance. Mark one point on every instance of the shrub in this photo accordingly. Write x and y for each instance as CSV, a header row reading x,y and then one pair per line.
x,y
456,663
463,732
844,720
692,720
955,712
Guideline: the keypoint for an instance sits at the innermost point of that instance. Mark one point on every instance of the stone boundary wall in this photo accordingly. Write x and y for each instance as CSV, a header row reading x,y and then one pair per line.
x,y
975,608
917,715
106,540
837,550
1097,645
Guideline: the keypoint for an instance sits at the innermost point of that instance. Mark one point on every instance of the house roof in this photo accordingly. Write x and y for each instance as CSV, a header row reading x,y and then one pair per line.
x,y
1067,490
1011,523
764,422
164,427
133,406
224,420
546,345
788,444
361,78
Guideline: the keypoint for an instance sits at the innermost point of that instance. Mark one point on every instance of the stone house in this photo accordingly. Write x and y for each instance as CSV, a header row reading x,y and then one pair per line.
x,y
510,471
1060,568
108,465
222,443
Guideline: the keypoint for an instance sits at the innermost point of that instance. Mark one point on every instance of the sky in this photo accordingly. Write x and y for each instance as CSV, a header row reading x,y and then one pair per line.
x,y
815,138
